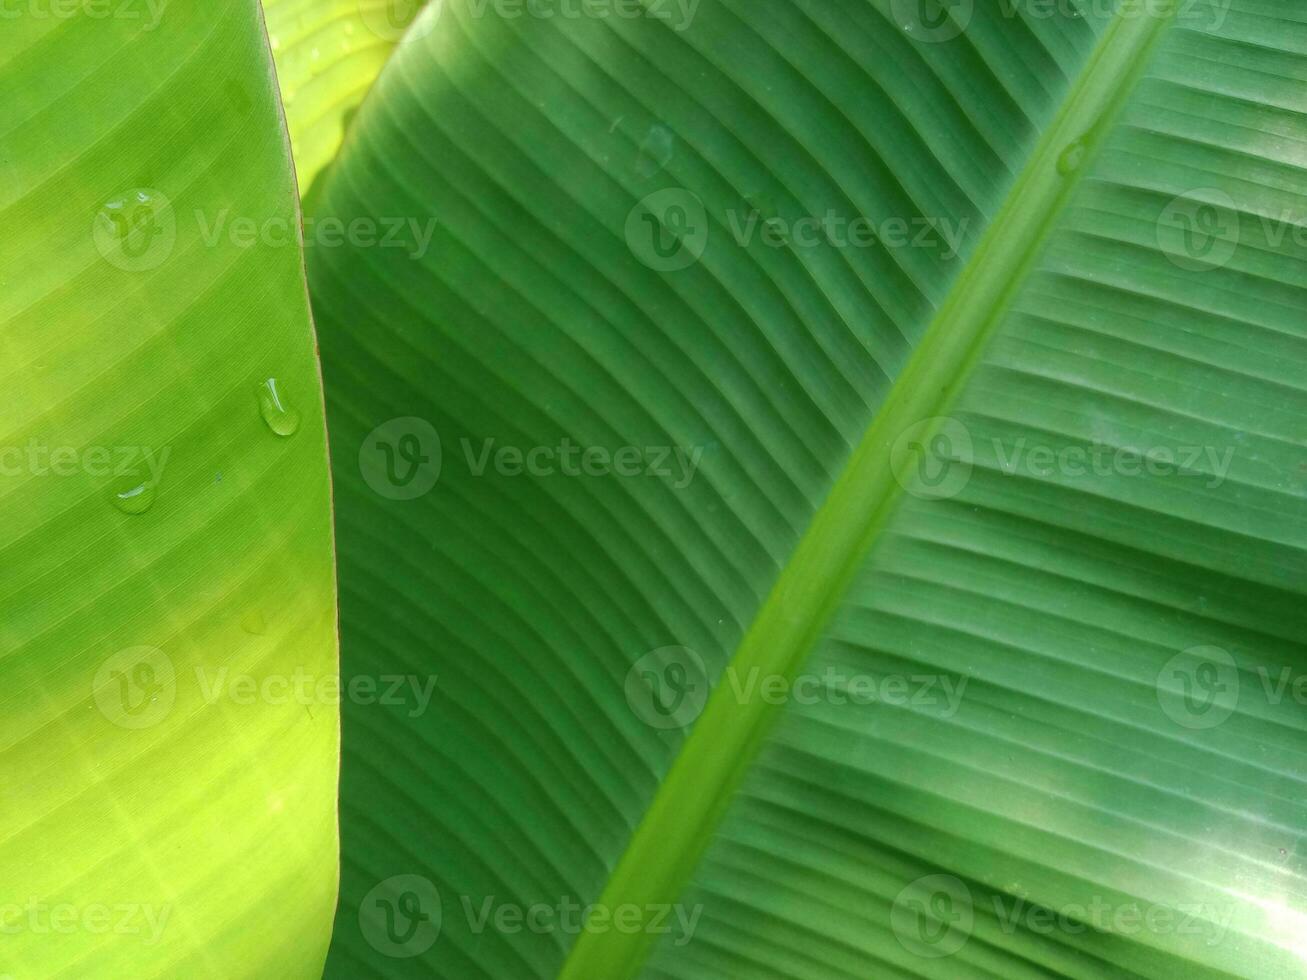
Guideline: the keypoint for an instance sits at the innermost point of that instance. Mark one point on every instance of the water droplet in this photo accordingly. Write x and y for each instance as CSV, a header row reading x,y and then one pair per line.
x,y
282,420
656,151
1072,157
134,498
254,623
139,196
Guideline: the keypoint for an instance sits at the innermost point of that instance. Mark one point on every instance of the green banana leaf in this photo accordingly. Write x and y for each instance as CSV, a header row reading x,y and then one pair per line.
x,y
842,464
169,736
819,488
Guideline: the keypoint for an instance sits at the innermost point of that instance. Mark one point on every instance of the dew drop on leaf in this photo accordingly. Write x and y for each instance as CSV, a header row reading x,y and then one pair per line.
x,y
1072,157
656,151
133,499
281,419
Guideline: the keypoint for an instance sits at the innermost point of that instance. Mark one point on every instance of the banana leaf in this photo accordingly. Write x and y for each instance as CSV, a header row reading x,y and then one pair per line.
x,y
842,462
169,728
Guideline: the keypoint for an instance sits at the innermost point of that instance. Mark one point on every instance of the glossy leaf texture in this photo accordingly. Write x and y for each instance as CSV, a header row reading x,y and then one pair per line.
x,y
843,468
169,738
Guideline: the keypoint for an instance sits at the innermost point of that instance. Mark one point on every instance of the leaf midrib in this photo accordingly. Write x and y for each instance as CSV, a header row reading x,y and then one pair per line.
x,y
672,837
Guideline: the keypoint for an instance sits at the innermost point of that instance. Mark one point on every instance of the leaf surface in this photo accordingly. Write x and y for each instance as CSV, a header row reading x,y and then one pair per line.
x,y
328,53
899,488
168,737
